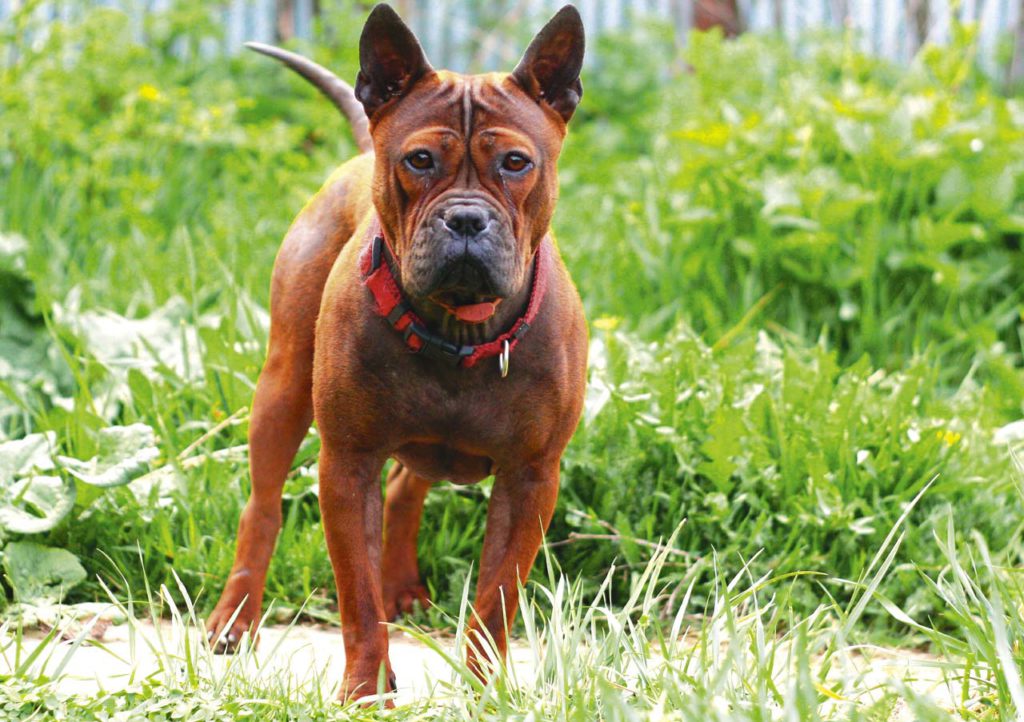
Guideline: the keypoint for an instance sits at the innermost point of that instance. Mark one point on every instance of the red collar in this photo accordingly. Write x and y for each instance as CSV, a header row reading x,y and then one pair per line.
x,y
377,266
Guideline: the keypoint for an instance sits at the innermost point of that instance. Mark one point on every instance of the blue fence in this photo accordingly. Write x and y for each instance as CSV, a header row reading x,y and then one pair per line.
x,y
467,33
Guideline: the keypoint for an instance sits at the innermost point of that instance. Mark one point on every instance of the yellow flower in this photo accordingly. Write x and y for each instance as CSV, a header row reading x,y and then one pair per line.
x,y
149,92
607,323
948,437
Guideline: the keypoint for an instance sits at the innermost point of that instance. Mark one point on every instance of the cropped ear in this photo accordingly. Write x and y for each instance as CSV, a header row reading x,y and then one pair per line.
x,y
390,60
550,68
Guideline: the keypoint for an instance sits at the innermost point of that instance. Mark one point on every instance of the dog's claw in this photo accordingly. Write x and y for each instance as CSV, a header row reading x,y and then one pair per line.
x,y
223,641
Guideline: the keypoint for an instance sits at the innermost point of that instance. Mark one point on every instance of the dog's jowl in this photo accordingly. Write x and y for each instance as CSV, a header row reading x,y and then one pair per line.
x,y
420,312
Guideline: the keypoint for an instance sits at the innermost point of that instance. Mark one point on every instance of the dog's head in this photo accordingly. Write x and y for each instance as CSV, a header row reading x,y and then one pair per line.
x,y
465,180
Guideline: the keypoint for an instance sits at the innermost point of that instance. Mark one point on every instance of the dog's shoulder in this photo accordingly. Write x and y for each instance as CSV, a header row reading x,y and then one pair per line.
x,y
347,191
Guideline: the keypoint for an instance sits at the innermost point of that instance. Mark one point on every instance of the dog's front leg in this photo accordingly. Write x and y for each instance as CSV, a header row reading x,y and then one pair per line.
x,y
350,504
521,506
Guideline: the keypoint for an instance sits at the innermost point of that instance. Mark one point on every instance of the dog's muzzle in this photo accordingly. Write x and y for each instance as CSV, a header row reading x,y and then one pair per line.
x,y
465,252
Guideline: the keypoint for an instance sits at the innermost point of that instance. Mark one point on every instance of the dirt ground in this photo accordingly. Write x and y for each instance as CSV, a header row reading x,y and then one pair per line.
x,y
125,653
314,655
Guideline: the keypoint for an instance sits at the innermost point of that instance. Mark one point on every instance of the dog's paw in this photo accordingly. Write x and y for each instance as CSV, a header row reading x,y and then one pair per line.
x,y
226,635
403,599
362,689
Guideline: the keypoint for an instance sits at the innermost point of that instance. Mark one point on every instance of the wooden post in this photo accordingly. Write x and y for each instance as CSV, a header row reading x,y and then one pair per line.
x,y
919,20
723,14
1016,74
285,19
682,20
841,12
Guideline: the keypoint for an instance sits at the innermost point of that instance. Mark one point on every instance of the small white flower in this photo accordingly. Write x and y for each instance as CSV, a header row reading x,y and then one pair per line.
x,y
977,145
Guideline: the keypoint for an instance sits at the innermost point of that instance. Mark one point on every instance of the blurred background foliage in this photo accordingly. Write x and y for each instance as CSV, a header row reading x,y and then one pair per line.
x,y
802,264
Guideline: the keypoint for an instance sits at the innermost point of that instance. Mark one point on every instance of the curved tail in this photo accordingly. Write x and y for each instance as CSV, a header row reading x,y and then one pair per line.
x,y
337,90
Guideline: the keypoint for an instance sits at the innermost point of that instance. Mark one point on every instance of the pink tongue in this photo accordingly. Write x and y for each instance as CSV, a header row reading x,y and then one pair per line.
x,y
474,312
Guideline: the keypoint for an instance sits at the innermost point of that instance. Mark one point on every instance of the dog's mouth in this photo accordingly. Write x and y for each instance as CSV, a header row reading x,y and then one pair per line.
x,y
467,307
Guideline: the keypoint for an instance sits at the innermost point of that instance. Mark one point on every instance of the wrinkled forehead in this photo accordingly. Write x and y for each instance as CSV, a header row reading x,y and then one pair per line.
x,y
465,106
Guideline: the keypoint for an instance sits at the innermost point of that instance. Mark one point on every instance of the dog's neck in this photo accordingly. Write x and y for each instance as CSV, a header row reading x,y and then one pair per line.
x,y
461,333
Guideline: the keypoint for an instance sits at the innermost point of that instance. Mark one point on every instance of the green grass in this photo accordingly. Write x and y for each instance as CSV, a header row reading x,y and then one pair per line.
x,y
879,208
744,653
804,274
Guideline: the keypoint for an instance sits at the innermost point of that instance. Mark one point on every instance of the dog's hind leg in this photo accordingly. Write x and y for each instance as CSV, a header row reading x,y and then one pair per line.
x,y
282,409
403,505
281,414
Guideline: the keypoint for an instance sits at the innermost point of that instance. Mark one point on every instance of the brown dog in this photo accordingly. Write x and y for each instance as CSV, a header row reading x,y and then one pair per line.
x,y
420,310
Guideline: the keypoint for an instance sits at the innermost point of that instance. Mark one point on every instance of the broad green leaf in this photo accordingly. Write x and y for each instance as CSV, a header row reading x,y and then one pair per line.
x,y
725,441
124,453
168,479
22,456
953,189
41,575
36,504
994,193
161,341
779,193
855,137
31,369
942,235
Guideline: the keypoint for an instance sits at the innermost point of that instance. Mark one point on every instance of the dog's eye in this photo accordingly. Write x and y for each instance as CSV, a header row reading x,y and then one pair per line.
x,y
420,160
515,162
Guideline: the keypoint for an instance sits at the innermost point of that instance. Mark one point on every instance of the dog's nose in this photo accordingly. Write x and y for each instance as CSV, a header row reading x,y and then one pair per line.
x,y
466,221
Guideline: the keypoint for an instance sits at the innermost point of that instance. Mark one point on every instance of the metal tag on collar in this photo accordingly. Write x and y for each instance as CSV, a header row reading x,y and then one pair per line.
x,y
503,358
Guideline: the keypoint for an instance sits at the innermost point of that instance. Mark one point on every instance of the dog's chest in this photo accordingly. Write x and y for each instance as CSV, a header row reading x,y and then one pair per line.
x,y
457,433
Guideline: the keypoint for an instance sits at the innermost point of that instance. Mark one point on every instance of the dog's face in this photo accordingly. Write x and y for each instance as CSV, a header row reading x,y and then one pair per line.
x,y
465,181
